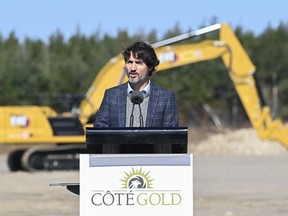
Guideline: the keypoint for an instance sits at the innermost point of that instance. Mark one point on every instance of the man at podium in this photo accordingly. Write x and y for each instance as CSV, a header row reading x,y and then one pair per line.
x,y
121,104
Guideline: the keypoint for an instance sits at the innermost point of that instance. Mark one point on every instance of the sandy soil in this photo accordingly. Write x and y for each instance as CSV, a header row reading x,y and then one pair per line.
x,y
232,142
234,174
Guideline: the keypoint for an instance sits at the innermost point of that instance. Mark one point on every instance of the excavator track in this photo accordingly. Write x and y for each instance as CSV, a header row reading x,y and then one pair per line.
x,y
14,160
59,157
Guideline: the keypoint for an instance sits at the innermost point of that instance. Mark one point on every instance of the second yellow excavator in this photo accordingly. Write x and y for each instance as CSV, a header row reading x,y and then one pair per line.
x,y
63,136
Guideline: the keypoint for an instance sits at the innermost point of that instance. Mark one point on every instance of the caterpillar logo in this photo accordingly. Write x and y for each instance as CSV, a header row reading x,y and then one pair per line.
x,y
167,57
19,121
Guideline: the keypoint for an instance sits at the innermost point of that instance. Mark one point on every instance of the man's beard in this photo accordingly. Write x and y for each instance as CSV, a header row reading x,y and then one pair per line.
x,y
136,79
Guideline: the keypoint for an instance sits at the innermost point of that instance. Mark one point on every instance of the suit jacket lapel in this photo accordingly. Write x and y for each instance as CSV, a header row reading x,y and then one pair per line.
x,y
122,97
153,100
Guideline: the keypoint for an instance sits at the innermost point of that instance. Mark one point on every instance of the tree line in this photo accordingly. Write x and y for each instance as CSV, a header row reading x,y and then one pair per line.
x,y
34,72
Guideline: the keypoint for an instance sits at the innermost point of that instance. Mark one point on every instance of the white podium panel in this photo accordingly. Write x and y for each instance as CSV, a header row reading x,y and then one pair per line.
x,y
142,185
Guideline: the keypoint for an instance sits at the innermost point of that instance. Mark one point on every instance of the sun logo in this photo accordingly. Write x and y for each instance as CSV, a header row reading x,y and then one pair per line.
x,y
137,178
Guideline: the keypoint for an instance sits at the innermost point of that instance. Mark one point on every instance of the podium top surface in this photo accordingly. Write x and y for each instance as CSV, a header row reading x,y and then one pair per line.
x,y
139,135
139,130
160,138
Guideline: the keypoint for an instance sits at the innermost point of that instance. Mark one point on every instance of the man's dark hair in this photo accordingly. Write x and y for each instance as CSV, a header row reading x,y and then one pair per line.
x,y
143,51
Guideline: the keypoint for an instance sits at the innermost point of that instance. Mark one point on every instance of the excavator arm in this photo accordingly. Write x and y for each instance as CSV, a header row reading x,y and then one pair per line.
x,y
113,72
242,73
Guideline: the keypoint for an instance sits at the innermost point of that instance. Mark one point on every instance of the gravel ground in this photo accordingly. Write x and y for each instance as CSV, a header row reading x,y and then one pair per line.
x,y
234,174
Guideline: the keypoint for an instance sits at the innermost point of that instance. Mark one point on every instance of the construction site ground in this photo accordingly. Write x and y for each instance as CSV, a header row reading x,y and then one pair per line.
x,y
235,174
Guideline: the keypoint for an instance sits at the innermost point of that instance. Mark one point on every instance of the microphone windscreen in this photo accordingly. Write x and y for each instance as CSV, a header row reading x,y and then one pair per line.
x,y
136,97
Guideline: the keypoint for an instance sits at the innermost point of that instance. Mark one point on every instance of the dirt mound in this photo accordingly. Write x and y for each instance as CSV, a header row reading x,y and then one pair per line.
x,y
235,142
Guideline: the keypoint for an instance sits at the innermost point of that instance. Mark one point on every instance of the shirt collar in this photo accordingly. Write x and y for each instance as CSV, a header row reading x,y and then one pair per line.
x,y
146,89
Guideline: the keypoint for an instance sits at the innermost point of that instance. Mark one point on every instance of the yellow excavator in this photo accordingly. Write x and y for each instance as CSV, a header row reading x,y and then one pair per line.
x,y
63,135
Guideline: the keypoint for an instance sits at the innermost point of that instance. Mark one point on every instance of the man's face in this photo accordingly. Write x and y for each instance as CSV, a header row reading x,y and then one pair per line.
x,y
137,70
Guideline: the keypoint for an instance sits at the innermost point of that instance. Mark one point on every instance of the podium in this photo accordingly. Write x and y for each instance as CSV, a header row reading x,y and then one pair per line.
x,y
137,170
142,170
136,140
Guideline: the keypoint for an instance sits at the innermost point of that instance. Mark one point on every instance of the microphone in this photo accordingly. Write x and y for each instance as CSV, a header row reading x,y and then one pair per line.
x,y
136,98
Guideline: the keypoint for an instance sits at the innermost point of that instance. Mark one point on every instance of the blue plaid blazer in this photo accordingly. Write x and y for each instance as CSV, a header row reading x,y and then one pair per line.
x,y
162,108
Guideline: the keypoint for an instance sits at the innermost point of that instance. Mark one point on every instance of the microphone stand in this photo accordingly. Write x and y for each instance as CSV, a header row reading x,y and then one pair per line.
x,y
132,116
141,117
